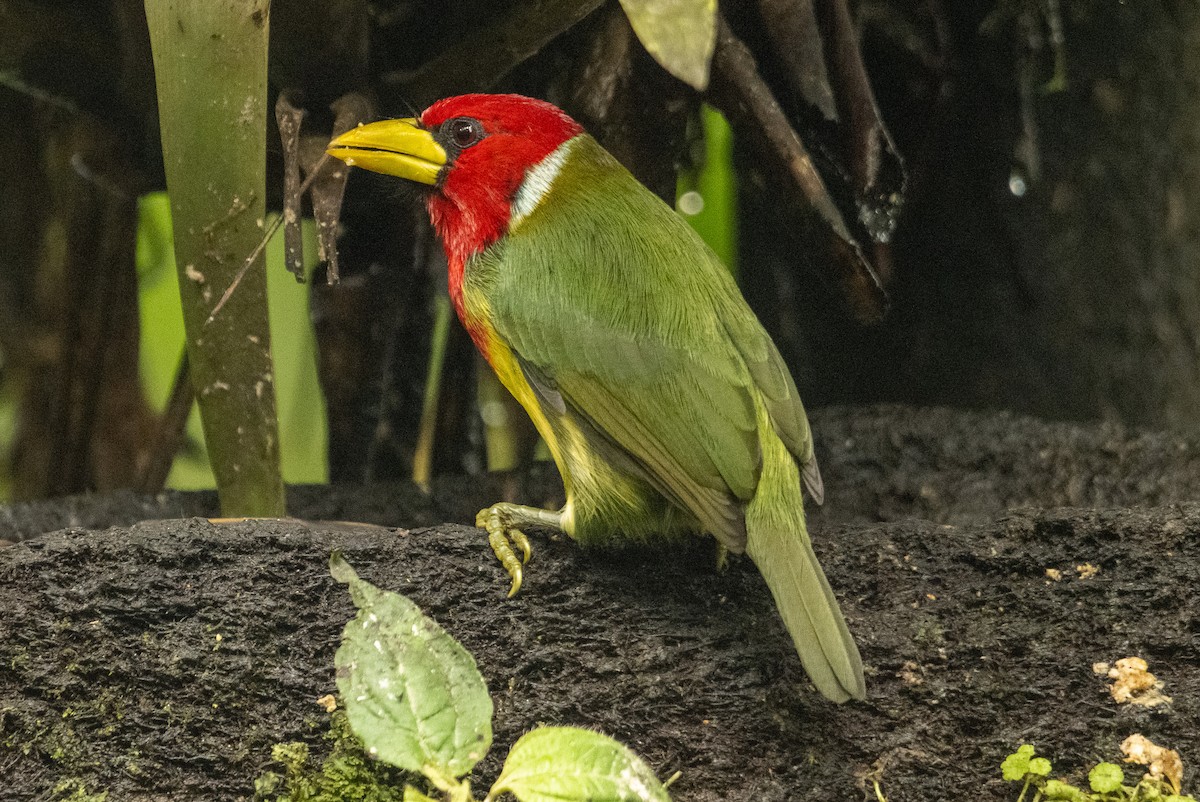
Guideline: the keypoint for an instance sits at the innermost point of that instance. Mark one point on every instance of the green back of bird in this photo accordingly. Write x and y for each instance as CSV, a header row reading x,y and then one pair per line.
x,y
623,317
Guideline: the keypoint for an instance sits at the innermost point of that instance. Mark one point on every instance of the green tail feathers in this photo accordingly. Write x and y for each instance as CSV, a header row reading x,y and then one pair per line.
x,y
777,541
808,608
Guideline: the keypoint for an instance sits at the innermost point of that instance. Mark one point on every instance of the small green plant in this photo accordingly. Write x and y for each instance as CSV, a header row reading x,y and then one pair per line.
x,y
416,700
1106,782
346,773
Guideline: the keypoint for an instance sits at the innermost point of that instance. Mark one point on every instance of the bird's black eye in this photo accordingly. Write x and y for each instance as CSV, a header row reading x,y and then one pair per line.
x,y
464,131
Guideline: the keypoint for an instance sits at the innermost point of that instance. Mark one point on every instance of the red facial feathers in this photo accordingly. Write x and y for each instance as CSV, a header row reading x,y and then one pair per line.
x,y
471,206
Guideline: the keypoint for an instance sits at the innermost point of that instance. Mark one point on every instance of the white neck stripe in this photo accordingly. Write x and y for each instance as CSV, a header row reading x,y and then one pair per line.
x,y
538,180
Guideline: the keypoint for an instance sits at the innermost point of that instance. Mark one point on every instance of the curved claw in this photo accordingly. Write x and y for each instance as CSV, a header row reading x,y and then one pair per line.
x,y
501,537
498,539
522,542
502,522
722,558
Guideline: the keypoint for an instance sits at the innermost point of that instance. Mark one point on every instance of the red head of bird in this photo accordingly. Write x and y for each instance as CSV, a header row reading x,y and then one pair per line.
x,y
474,151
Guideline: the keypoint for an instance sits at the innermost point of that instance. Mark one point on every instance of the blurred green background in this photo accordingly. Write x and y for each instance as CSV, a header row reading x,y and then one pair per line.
x,y
303,433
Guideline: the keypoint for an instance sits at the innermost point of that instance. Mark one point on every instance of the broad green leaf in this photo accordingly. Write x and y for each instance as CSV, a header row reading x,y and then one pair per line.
x,y
1105,778
680,34
458,793
567,764
1040,767
1016,766
412,693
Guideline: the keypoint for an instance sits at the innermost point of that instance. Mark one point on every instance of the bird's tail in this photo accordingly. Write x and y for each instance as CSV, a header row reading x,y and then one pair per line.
x,y
778,543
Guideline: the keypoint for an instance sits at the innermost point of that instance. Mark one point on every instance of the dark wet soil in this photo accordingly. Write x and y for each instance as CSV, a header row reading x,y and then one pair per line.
x,y
162,660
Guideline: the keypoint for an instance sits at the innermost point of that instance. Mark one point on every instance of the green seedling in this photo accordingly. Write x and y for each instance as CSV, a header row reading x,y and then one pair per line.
x,y
1106,782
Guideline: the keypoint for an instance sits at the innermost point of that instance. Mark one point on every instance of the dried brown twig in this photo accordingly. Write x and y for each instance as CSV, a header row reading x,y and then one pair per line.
x,y
323,172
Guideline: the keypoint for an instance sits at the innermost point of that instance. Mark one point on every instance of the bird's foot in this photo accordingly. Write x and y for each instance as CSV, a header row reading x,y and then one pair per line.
x,y
504,523
722,558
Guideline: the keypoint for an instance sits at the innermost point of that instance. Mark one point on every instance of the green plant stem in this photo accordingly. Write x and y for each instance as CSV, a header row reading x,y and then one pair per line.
x,y
422,470
210,64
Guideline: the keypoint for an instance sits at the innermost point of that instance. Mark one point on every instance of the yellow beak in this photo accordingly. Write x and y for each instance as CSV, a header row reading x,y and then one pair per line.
x,y
392,147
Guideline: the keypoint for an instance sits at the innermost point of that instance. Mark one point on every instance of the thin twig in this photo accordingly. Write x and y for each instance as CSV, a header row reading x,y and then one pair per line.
x,y
739,90
170,432
878,171
258,249
11,80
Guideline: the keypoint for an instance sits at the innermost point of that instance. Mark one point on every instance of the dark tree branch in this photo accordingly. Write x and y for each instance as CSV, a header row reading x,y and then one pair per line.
x,y
795,36
330,184
875,165
289,117
741,93
482,57
630,103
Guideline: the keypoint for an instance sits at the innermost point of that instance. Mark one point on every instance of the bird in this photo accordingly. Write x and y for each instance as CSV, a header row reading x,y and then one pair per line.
x,y
664,403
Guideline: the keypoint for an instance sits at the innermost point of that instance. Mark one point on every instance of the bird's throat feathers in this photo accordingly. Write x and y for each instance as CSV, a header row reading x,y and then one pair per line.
x,y
489,184
468,228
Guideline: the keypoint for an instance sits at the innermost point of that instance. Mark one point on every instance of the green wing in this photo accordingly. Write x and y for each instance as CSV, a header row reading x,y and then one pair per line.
x,y
631,323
